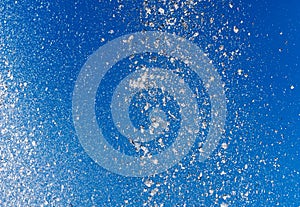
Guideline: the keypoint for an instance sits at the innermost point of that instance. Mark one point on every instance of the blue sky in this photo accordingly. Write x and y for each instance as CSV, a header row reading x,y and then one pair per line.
x,y
253,44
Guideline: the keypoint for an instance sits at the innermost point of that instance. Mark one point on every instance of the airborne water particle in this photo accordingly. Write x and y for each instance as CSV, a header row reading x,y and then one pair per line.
x,y
224,145
149,183
153,192
34,143
224,205
235,29
240,71
161,11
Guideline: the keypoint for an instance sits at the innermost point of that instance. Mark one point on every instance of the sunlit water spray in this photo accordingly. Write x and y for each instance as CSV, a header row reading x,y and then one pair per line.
x,y
92,136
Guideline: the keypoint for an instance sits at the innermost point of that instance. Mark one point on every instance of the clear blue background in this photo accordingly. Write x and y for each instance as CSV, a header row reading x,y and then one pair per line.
x,y
45,43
